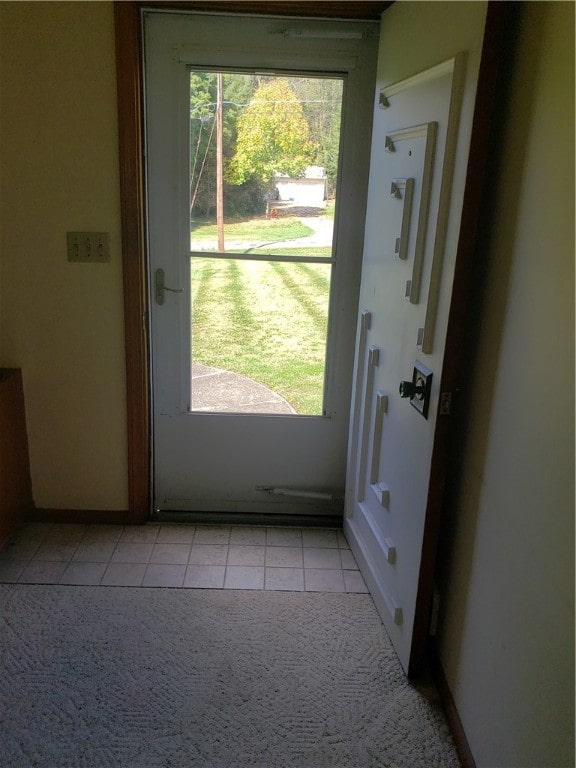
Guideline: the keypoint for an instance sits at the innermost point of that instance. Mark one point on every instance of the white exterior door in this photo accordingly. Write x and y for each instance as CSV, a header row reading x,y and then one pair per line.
x,y
225,459
426,84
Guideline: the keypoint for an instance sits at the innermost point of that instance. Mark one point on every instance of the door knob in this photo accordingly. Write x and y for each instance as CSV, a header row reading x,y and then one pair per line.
x,y
161,287
411,389
418,390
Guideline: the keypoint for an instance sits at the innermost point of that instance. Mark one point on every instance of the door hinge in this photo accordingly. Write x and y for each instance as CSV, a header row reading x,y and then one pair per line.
x,y
445,403
434,612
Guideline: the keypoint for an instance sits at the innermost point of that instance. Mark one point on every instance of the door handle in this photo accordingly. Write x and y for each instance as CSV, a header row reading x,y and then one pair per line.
x,y
409,389
418,390
161,286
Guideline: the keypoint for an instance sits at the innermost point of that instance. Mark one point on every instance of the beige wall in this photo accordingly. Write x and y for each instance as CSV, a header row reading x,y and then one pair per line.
x,y
62,323
507,614
507,627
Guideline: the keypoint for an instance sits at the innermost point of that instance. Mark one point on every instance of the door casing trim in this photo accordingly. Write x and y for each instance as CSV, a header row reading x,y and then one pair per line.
x,y
129,77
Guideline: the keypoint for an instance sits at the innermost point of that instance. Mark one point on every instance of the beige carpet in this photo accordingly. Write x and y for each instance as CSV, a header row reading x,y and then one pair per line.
x,y
94,677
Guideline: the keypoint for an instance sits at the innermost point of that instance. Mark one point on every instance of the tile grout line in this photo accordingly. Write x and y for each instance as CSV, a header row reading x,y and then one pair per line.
x,y
227,558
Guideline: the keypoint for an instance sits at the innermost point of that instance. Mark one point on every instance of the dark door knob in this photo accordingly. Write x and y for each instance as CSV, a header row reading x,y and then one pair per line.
x,y
418,390
409,389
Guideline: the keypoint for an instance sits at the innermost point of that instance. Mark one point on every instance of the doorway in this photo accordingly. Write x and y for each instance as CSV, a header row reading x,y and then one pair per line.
x,y
429,27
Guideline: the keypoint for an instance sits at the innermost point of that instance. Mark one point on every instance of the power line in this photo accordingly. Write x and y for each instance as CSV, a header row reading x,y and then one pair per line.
x,y
212,104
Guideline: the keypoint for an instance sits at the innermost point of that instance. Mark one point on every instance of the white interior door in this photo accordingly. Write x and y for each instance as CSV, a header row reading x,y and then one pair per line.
x,y
210,456
420,147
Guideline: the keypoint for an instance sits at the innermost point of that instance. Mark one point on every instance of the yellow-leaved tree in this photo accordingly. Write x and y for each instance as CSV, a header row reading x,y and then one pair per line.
x,y
273,136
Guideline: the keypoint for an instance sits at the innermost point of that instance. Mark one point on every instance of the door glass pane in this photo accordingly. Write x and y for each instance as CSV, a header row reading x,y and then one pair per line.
x,y
263,167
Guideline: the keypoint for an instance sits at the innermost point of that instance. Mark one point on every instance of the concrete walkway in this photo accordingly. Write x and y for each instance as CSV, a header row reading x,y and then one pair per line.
x,y
214,389
322,237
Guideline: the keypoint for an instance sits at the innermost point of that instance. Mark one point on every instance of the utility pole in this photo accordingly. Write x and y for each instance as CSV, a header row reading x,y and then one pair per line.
x,y
219,171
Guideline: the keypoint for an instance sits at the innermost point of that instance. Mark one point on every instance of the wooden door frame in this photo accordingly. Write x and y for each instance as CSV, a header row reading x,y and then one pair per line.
x,y
129,78
132,190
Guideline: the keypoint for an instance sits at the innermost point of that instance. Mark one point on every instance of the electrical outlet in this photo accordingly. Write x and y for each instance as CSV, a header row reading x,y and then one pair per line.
x,y
88,246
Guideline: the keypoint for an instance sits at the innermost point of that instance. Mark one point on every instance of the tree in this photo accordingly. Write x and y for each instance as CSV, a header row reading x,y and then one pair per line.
x,y
238,90
321,99
273,136
202,143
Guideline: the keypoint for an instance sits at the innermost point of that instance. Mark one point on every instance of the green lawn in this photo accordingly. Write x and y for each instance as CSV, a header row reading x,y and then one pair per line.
x,y
316,250
330,209
253,229
266,321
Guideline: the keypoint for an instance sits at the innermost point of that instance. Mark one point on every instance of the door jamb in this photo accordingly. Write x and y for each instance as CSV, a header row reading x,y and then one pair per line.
x,y
132,201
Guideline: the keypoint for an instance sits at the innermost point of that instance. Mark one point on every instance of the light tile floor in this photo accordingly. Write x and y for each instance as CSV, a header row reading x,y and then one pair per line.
x,y
188,556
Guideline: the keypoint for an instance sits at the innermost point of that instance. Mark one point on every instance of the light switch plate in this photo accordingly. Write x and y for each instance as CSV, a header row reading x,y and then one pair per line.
x,y
88,246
